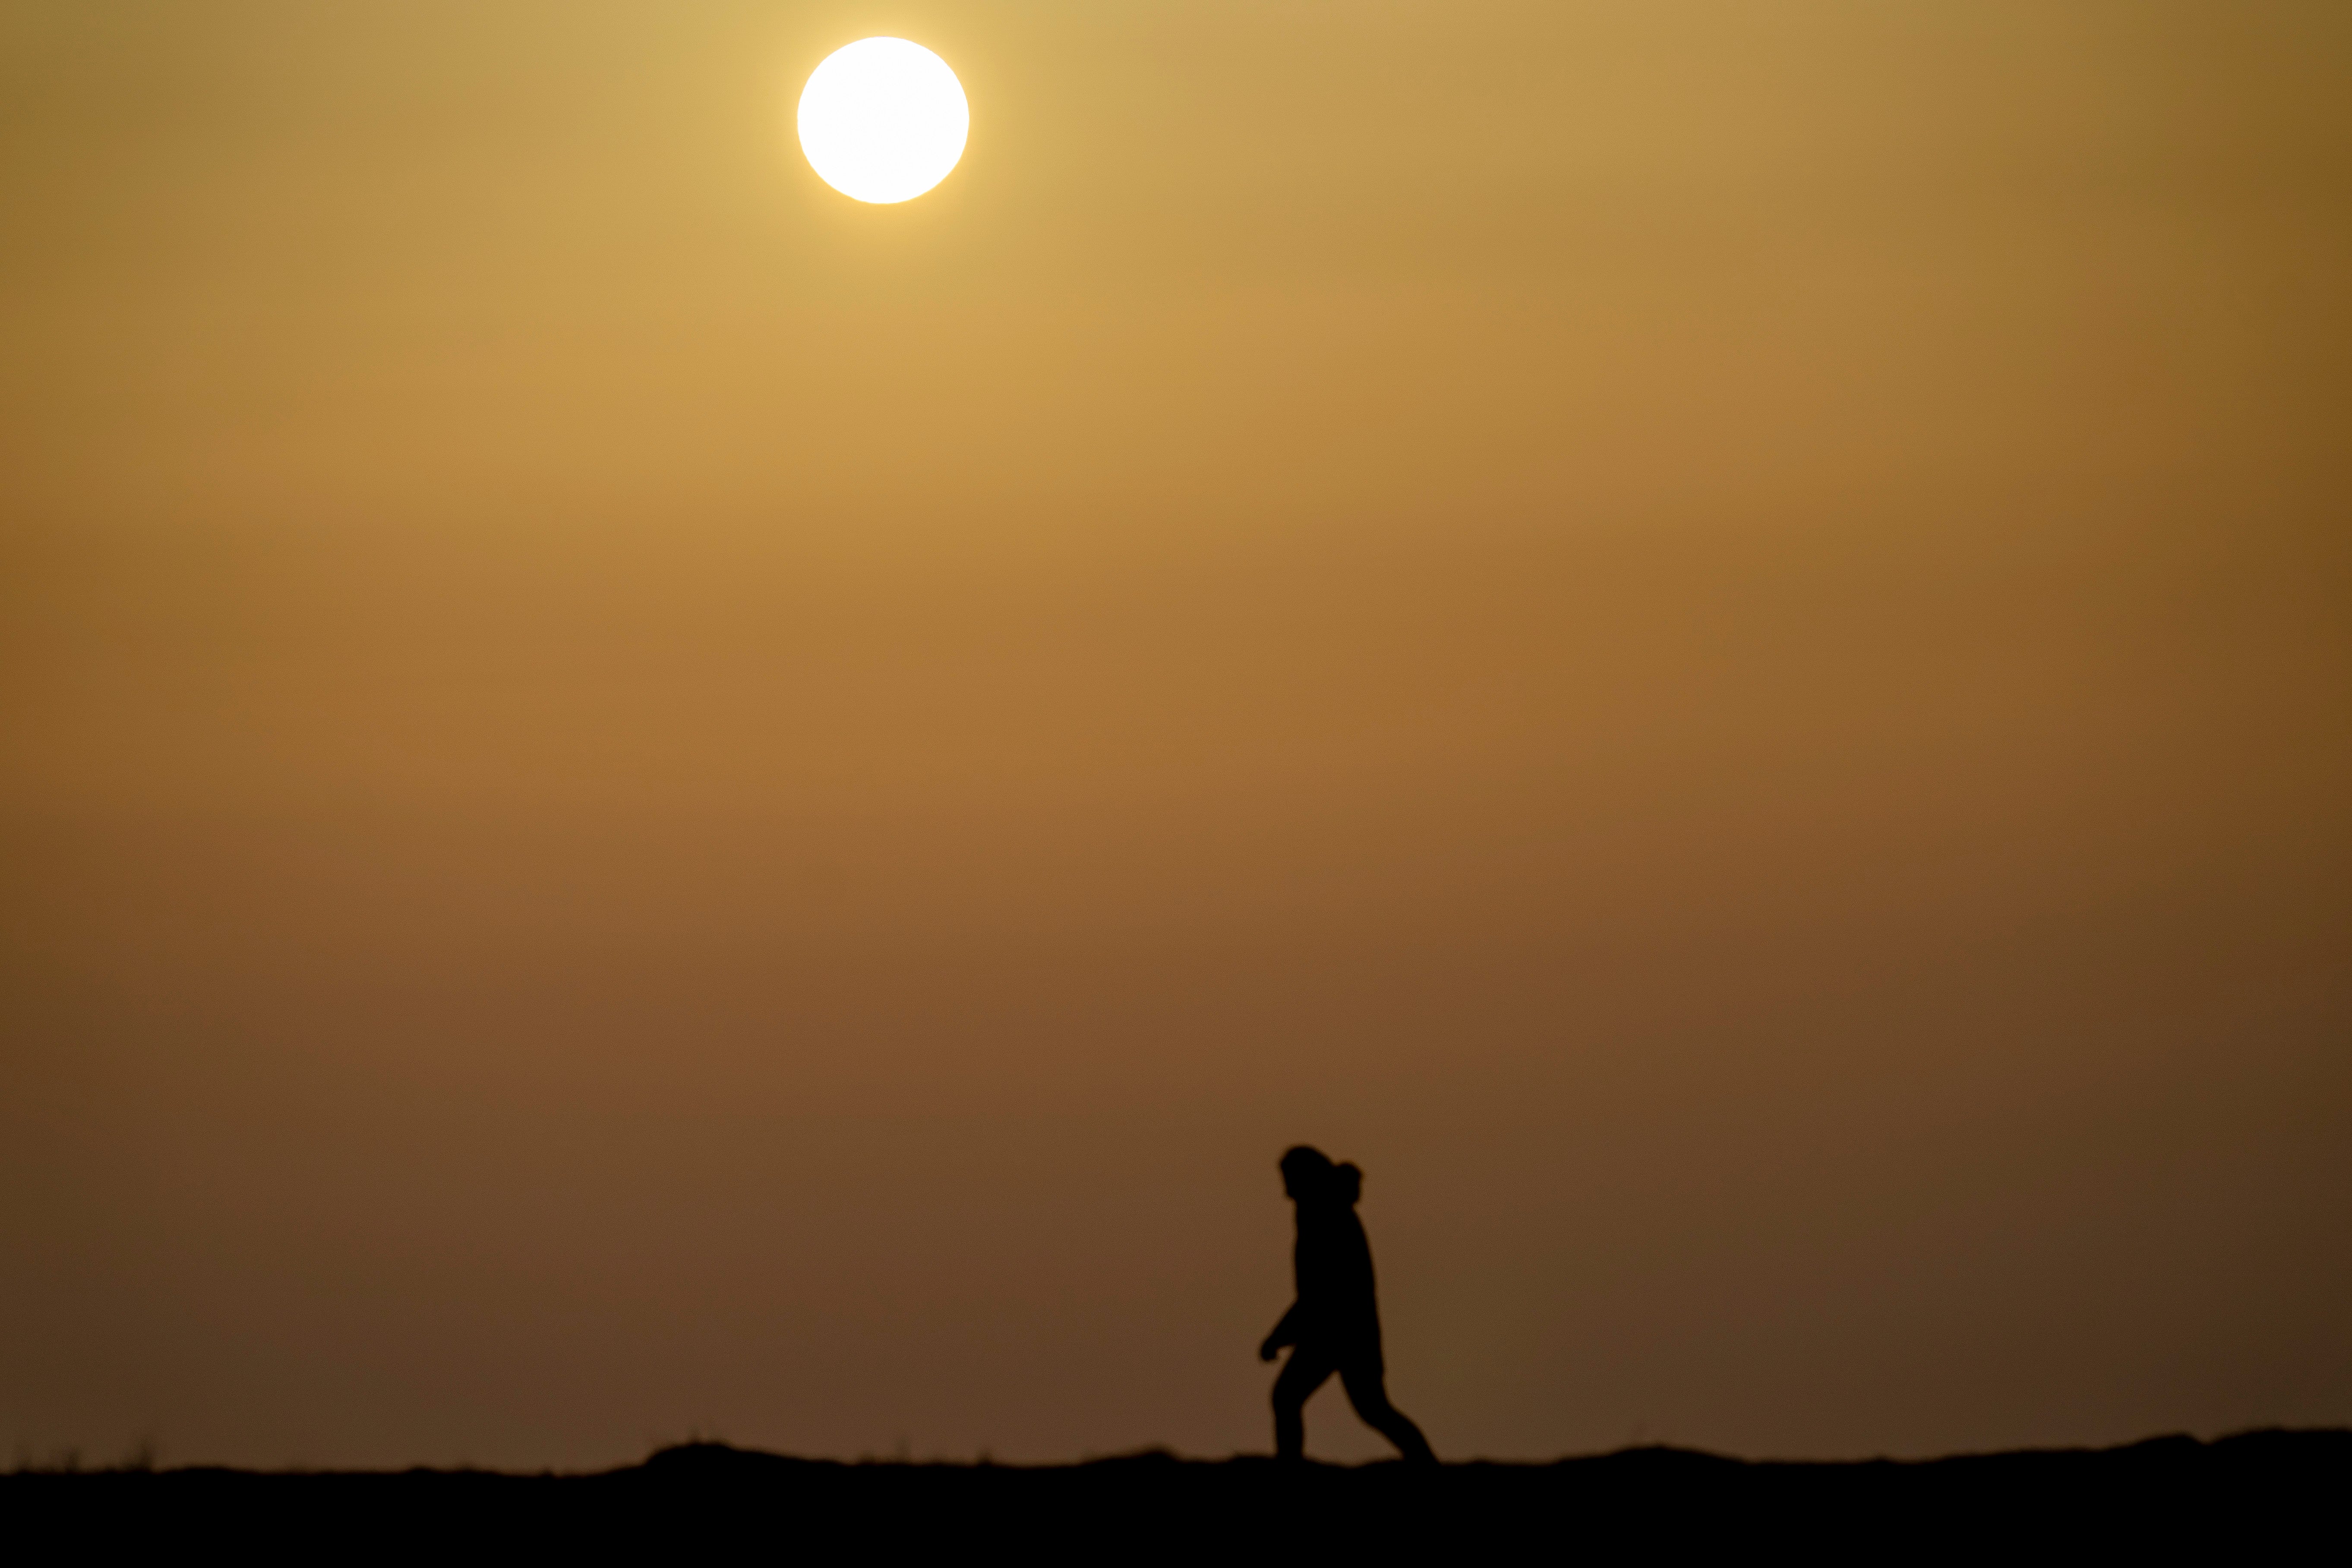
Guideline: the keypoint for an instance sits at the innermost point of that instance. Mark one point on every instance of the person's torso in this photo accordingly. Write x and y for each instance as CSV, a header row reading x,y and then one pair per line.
x,y
1334,1265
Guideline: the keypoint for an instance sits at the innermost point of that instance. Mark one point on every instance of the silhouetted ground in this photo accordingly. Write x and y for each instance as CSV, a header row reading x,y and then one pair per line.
x,y
2261,1492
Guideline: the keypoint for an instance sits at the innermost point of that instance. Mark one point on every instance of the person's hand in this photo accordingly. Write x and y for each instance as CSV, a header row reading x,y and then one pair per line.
x,y
1269,1350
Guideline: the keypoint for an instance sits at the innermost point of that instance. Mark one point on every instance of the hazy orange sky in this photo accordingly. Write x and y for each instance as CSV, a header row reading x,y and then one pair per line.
x,y
1714,635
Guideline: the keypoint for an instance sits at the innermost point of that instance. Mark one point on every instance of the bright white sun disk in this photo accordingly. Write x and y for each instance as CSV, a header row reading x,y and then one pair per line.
x,y
883,120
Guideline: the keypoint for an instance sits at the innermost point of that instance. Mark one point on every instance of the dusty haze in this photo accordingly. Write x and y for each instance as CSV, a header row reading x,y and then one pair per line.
x,y
1716,638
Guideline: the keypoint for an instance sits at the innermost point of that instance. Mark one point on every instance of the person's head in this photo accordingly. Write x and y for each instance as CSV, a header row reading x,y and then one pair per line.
x,y
1306,1173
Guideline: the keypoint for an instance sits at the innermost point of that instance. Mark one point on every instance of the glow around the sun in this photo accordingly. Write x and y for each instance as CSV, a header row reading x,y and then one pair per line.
x,y
883,120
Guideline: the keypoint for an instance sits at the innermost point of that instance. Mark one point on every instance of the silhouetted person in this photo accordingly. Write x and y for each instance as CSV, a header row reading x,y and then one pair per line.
x,y
1335,1324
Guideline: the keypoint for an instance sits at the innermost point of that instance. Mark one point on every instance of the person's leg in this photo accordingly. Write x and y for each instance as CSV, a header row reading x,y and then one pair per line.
x,y
1301,1375
1368,1390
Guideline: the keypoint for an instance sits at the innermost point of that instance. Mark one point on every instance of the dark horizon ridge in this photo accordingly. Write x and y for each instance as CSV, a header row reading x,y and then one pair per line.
x,y
714,1452
2254,1491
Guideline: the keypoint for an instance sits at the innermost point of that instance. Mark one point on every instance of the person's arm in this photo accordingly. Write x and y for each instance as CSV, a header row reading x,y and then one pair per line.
x,y
1285,1333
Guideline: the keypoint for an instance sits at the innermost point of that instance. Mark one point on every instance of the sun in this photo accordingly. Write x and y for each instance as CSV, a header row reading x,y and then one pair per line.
x,y
883,120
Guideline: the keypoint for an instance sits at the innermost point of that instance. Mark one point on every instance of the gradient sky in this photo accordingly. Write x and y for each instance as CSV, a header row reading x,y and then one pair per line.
x,y
1715,636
